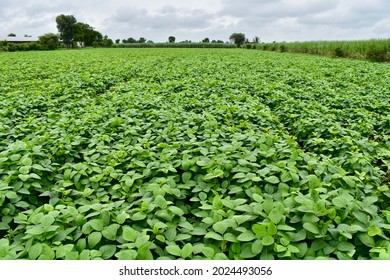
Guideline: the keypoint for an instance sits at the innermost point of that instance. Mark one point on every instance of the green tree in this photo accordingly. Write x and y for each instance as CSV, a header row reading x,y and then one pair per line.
x,y
106,42
237,38
11,35
130,40
66,28
142,40
49,41
171,39
206,40
256,40
85,34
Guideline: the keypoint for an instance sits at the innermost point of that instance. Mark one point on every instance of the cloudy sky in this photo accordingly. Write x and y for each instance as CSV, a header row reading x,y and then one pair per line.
x,y
271,20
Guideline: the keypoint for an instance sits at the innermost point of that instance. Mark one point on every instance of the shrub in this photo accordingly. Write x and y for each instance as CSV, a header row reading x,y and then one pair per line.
x,y
282,48
338,52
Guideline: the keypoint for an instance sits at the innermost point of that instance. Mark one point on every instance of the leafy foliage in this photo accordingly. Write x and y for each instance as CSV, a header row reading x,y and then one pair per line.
x,y
374,49
186,154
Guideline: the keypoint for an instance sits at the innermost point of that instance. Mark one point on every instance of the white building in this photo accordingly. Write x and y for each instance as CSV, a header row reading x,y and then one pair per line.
x,y
19,40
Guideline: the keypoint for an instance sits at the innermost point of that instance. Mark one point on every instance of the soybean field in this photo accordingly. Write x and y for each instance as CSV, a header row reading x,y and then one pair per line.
x,y
155,154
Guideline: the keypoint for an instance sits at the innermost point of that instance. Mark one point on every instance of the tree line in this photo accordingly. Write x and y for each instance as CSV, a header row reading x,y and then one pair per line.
x,y
72,34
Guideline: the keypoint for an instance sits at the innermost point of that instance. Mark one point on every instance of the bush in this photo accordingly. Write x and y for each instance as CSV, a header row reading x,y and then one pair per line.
x,y
248,46
282,48
338,52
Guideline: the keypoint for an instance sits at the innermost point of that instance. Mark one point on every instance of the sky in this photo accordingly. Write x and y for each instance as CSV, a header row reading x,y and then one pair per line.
x,y
271,20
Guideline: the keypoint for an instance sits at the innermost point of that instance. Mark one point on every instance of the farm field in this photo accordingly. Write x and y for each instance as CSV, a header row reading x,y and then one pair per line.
x,y
193,154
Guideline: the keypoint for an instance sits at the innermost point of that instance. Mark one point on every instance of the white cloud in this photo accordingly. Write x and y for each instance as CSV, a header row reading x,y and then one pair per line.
x,y
278,20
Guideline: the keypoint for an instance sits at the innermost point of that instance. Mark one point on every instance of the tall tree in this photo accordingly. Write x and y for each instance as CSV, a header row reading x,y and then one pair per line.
x,y
237,38
256,39
206,40
171,39
85,34
66,28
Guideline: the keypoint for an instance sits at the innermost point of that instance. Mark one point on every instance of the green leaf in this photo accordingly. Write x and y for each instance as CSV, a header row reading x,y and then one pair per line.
x,y
176,210
209,177
246,236
11,195
299,236
285,177
246,251
47,253
37,230
345,246
213,235
267,240
97,224
293,249
186,251
366,239
230,237
35,251
47,220
259,230
138,216
26,161
240,219
340,202
275,216
24,169
121,218
186,176
23,177
272,229
142,240
173,250
126,255
129,234
93,239
257,247
350,182
208,252
107,251
314,181
373,230
220,227
160,202
110,232
220,256
144,253
272,179
313,228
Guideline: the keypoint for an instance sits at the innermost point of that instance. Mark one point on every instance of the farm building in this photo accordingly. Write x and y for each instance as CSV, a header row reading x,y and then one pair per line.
x,y
19,40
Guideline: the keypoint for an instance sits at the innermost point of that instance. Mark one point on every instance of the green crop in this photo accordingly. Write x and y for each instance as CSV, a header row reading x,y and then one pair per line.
x,y
193,154
374,49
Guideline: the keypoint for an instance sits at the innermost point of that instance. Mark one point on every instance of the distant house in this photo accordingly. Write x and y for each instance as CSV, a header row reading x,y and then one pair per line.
x,y
19,40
